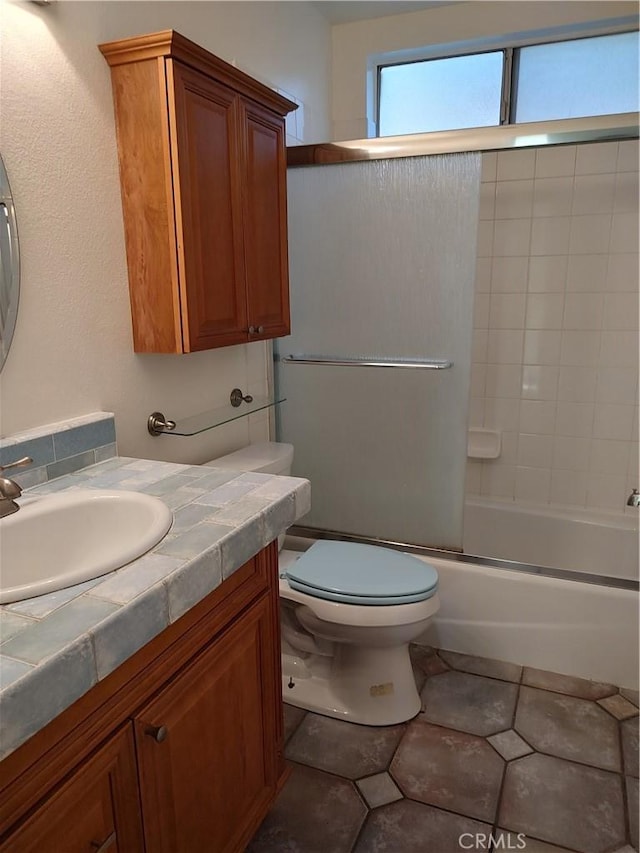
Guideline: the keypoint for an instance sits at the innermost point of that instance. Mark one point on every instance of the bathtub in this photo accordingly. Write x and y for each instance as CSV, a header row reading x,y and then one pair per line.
x,y
580,540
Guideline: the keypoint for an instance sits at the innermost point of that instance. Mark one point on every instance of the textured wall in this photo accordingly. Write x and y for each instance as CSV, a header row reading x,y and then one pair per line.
x,y
459,22
72,352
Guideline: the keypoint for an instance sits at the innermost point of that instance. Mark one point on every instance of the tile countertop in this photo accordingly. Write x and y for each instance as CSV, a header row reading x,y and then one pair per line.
x,y
55,647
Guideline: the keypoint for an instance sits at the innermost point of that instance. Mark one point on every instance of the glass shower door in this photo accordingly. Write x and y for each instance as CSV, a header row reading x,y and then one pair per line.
x,y
382,265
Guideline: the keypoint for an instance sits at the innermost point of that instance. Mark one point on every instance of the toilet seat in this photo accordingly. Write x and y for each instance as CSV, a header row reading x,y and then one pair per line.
x,y
352,573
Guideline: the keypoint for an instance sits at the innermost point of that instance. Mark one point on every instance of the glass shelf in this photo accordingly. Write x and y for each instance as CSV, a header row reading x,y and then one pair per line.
x,y
216,417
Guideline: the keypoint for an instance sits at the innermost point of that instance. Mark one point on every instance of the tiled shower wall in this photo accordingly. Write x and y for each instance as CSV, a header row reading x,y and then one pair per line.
x,y
555,356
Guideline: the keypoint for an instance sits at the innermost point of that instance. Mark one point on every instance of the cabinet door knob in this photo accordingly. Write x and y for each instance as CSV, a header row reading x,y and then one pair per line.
x,y
252,330
260,330
158,733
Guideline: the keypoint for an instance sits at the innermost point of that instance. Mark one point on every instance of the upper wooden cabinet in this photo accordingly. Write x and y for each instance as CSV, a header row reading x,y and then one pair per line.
x,y
203,175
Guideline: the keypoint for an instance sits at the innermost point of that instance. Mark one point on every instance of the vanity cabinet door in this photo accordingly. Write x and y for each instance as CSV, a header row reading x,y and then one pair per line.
x,y
208,744
96,810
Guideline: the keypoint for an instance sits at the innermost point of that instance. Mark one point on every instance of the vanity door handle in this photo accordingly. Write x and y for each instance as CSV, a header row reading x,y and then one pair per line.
x,y
158,733
106,844
256,330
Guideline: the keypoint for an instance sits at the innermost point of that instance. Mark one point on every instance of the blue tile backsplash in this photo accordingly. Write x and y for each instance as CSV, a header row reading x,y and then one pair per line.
x,y
60,448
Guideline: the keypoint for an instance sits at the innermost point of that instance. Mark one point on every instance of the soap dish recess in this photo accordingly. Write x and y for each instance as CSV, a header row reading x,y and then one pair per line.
x,y
484,443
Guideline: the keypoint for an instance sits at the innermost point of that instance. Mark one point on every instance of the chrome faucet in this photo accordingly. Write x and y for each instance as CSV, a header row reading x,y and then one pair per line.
x,y
10,490
634,498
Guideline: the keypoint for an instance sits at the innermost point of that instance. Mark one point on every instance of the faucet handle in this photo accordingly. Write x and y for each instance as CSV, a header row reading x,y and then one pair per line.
x,y
19,463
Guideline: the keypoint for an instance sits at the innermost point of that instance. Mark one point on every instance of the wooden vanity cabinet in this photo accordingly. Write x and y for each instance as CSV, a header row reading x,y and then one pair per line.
x,y
179,750
202,158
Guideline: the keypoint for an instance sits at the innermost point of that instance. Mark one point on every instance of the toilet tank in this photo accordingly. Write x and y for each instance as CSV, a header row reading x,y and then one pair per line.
x,y
267,457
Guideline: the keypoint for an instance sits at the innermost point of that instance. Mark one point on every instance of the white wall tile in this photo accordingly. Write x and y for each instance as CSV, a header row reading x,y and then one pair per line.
x,y
516,165
473,480
539,382
624,233
503,380
507,310
575,419
509,448
618,349
509,275
571,453
544,311
550,235
535,451
552,196
593,194
498,481
512,237
580,348
568,487
606,491
481,311
555,162
626,193
587,273
476,411
537,416
622,272
488,168
502,413
485,238
479,342
596,157
542,347
487,208
533,484
483,275
633,471
547,273
514,199
613,421
478,379
590,234
504,346
617,385
583,311
620,311
628,156
609,457
577,384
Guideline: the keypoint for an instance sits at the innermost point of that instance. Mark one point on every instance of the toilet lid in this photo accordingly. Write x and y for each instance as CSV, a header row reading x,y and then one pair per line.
x,y
362,574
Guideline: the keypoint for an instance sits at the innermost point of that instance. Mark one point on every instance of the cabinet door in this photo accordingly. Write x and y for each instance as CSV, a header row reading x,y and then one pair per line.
x,y
265,222
205,155
207,745
95,810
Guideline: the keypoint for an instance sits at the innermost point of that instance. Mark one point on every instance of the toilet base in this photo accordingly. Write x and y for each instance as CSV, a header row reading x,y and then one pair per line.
x,y
374,687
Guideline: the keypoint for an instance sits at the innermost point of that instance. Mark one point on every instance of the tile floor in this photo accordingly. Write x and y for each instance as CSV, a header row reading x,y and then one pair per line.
x,y
527,757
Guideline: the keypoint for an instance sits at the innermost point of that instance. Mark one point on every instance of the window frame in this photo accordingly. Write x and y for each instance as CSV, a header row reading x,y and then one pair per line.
x,y
510,68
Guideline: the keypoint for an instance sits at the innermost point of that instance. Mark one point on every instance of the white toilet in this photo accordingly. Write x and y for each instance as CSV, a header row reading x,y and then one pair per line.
x,y
348,613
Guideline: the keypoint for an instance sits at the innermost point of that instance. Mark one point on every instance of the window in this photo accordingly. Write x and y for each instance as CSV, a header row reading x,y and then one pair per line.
x,y
590,76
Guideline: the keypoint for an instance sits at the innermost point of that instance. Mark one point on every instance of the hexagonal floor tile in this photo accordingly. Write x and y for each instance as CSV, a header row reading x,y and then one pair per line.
x,y
519,841
630,733
564,803
469,703
314,813
407,827
567,684
482,666
426,663
571,728
344,748
449,769
633,806
292,718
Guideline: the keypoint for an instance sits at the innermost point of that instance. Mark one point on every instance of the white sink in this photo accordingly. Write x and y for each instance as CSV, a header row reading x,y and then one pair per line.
x,y
56,541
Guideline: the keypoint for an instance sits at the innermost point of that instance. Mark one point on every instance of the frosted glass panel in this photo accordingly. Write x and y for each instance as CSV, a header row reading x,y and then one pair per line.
x,y
441,94
570,79
382,260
